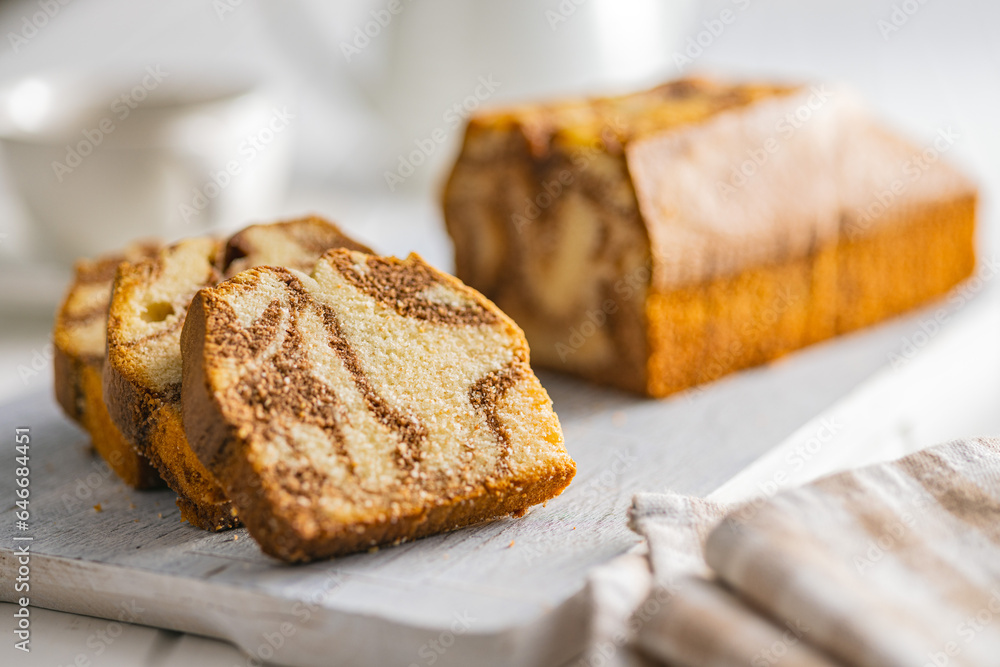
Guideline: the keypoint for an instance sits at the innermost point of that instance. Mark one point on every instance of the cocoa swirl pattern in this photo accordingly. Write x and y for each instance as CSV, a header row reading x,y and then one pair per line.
x,y
403,291
285,382
484,396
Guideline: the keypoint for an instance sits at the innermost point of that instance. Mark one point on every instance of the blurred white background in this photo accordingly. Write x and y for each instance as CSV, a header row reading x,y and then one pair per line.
x,y
370,85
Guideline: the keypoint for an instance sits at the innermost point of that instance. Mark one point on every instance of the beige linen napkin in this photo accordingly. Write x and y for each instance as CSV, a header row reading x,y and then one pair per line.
x,y
894,564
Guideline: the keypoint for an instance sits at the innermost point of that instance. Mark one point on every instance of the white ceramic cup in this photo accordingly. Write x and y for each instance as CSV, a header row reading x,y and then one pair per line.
x,y
155,152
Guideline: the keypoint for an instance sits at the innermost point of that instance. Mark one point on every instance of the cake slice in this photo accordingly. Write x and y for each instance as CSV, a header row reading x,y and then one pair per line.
x,y
142,377
79,341
662,239
375,401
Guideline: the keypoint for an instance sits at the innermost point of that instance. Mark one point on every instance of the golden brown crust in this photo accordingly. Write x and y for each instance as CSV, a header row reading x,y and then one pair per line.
x,y
700,333
142,380
284,539
628,117
232,416
133,468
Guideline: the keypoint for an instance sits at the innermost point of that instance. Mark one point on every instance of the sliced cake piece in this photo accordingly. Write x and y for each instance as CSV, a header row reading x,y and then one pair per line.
x,y
375,401
142,378
79,341
662,239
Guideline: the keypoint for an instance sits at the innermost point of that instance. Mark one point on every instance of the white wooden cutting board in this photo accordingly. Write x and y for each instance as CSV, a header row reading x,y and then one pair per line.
x,y
508,592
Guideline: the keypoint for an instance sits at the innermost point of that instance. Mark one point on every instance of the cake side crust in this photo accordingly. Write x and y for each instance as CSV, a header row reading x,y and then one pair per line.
x,y
700,333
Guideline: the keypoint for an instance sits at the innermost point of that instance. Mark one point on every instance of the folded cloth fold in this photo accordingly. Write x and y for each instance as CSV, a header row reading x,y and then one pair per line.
x,y
893,564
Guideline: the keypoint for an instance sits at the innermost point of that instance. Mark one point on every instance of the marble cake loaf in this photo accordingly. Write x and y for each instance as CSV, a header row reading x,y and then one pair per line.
x,y
142,375
663,239
79,342
375,401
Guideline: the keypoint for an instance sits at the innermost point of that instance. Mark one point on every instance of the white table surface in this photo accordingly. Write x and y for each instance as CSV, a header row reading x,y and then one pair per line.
x,y
941,68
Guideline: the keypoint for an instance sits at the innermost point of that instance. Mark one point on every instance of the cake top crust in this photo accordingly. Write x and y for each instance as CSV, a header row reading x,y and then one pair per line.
x,y
616,121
